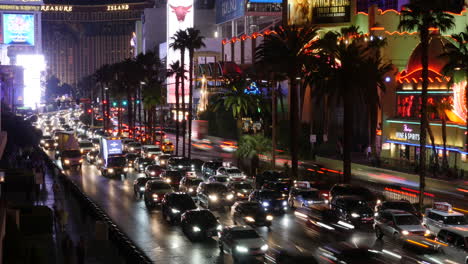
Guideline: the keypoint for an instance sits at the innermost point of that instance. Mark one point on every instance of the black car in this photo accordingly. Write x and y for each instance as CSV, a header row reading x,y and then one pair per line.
x,y
189,185
241,190
141,163
175,204
172,177
139,186
209,168
352,209
281,187
250,213
199,224
403,205
155,191
131,157
153,170
353,190
92,156
271,201
198,164
180,163
214,195
270,176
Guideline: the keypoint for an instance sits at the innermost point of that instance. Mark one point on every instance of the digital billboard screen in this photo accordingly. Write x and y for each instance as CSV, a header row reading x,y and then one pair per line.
x,y
18,29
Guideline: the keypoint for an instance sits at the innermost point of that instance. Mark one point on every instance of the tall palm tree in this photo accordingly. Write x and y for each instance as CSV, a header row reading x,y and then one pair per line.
x,y
194,42
422,15
180,43
176,70
457,66
288,49
441,107
104,76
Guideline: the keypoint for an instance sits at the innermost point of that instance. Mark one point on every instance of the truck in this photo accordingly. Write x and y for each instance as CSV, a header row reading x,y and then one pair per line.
x,y
67,149
112,161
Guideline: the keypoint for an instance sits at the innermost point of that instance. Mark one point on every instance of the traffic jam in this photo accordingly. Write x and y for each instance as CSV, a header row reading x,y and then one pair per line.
x,y
192,194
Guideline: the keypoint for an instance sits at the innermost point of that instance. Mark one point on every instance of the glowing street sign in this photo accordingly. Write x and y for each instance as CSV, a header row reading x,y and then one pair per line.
x,y
34,66
179,17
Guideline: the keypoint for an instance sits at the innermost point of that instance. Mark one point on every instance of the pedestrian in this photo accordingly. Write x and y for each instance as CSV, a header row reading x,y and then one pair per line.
x,y
368,152
81,250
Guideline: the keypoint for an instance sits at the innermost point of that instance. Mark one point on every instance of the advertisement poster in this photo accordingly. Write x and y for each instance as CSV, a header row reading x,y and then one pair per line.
x,y
227,10
18,29
179,17
319,11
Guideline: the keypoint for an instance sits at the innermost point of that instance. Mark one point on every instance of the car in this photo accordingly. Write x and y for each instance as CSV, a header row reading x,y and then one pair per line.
x,y
71,159
353,190
161,160
82,137
198,164
44,139
49,144
190,185
172,177
180,163
343,252
456,243
271,200
114,166
153,170
139,186
398,225
214,194
352,209
250,213
167,147
403,205
233,173
304,197
241,189
242,243
141,163
209,168
175,204
85,146
282,187
126,141
442,216
96,142
92,156
219,178
154,192
150,151
133,147
199,224
270,176
131,157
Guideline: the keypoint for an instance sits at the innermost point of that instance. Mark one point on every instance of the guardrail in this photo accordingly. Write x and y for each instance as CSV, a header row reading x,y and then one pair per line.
x,y
130,252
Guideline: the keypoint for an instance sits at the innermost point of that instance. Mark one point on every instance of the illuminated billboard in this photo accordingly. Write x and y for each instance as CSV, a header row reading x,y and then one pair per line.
x,y
179,17
18,29
34,66
227,10
302,12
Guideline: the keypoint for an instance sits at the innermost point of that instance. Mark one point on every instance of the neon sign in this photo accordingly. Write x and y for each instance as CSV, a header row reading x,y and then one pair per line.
x,y
117,7
459,100
407,134
56,8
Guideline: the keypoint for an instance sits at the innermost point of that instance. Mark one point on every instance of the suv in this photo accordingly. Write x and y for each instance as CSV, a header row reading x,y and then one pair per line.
x,y
398,224
209,168
180,163
270,200
175,204
150,151
233,173
214,195
457,243
114,166
189,185
154,192
71,158
352,190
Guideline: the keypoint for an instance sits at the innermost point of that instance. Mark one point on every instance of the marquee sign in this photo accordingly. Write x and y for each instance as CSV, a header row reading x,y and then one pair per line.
x,y
302,12
406,133
56,8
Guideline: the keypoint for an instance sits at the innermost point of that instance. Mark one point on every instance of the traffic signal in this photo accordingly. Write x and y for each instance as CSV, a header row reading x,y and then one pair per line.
x,y
138,101
89,111
114,104
104,101
124,102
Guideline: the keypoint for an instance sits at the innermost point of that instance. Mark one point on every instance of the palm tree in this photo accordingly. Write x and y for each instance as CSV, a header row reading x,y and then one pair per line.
x,y
176,70
180,43
421,15
194,42
250,147
288,49
457,66
103,76
441,107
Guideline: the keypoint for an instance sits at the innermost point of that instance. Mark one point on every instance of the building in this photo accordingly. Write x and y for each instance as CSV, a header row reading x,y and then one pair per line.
x,y
78,39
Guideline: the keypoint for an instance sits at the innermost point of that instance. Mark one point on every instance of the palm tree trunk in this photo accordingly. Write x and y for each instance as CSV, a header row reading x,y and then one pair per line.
x,y
139,108
177,114
182,64
273,127
119,117
129,109
294,124
107,115
424,34
435,160
372,130
103,106
348,122
145,121
444,141
189,150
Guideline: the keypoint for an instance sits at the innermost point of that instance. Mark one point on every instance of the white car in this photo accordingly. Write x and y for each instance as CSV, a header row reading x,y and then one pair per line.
x,y
150,151
232,172
242,243
442,216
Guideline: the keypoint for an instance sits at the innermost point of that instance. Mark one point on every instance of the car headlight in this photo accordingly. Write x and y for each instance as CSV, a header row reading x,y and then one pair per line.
x,y
162,162
219,227
190,189
110,170
249,219
81,160
404,232
266,204
180,166
354,215
125,169
229,196
240,194
153,173
242,249
175,211
142,188
67,162
427,232
47,144
285,203
149,155
55,144
284,195
155,196
196,229
264,247
168,180
132,149
42,141
379,201
213,197
82,150
269,217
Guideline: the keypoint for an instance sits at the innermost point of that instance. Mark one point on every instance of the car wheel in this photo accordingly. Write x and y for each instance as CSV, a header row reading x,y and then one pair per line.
x,y
291,204
221,247
378,233
136,194
396,236
234,221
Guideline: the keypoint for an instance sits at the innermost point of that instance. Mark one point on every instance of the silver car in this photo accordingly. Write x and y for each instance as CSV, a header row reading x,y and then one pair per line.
x,y
398,225
455,243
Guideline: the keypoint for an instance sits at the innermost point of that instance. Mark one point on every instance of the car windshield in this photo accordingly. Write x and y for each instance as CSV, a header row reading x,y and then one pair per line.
x,y
173,174
355,203
271,195
153,167
134,144
146,160
233,171
240,186
86,145
194,182
216,188
116,161
406,220
221,179
71,154
455,220
280,186
204,215
159,185
399,206
244,234
182,162
153,149
309,194
184,201
252,207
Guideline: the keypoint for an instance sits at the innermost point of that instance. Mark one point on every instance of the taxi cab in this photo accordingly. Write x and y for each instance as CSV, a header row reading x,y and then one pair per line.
x,y
441,216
